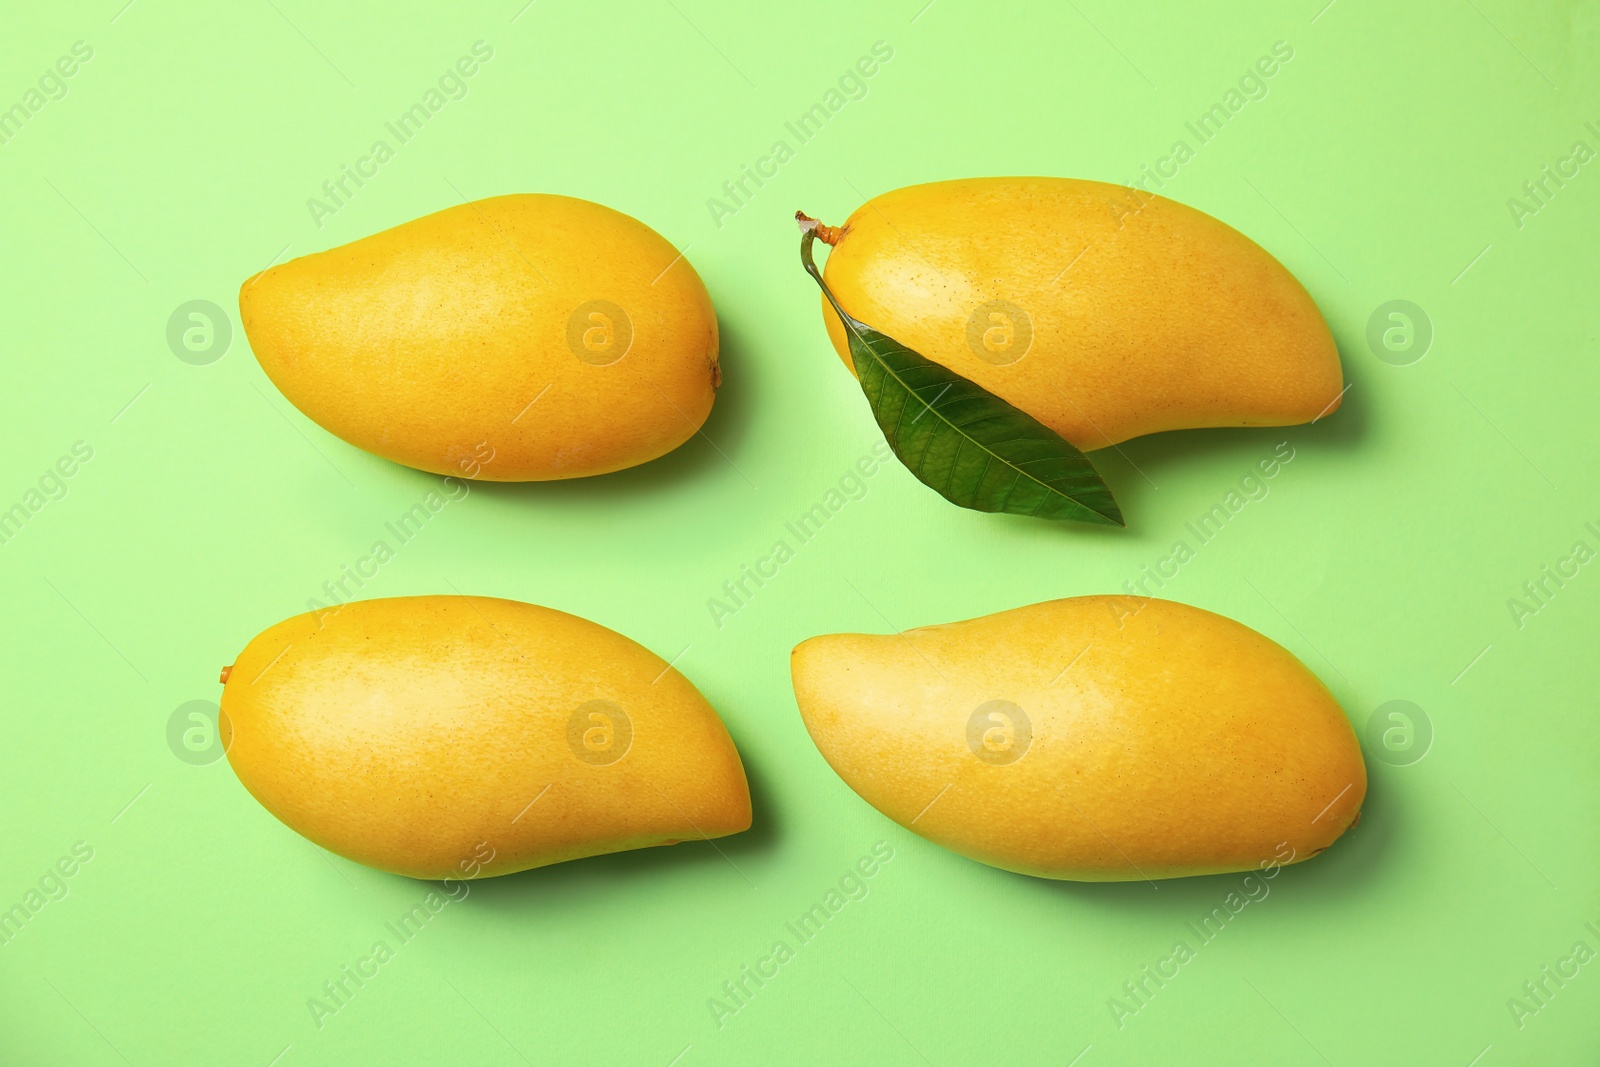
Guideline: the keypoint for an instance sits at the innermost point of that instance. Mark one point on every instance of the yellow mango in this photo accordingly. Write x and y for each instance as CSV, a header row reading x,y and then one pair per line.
x,y
457,736
1100,738
520,338
1104,312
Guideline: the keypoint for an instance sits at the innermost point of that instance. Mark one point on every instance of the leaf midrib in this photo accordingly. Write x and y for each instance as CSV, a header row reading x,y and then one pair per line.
x,y
855,327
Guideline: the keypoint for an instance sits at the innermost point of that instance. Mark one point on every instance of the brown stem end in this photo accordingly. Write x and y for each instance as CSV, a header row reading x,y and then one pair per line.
x,y
830,235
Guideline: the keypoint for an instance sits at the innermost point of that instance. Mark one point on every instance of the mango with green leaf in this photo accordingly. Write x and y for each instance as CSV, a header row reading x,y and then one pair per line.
x,y
1098,311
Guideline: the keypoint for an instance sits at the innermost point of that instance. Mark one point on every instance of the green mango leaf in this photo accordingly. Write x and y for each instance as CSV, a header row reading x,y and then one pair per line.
x,y
961,440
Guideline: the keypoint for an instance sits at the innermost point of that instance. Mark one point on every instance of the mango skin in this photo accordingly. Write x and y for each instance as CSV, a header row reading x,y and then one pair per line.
x,y
1146,315
427,343
412,734
1165,741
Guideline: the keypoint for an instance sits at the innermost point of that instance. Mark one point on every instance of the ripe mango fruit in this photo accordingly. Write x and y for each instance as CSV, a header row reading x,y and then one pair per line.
x,y
520,338
1102,311
1100,738
459,736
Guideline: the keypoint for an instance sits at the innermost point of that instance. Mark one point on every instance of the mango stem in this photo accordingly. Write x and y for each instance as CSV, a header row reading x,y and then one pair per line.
x,y
225,672
808,235
831,235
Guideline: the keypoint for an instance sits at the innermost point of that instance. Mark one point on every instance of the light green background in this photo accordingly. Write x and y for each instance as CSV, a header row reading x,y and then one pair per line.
x,y
1377,167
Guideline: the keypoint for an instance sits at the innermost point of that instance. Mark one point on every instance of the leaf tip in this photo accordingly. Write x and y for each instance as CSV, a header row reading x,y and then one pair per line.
x,y
1110,515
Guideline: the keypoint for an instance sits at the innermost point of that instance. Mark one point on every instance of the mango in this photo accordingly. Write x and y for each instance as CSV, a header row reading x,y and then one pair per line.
x,y
1099,738
520,338
462,736
1104,312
